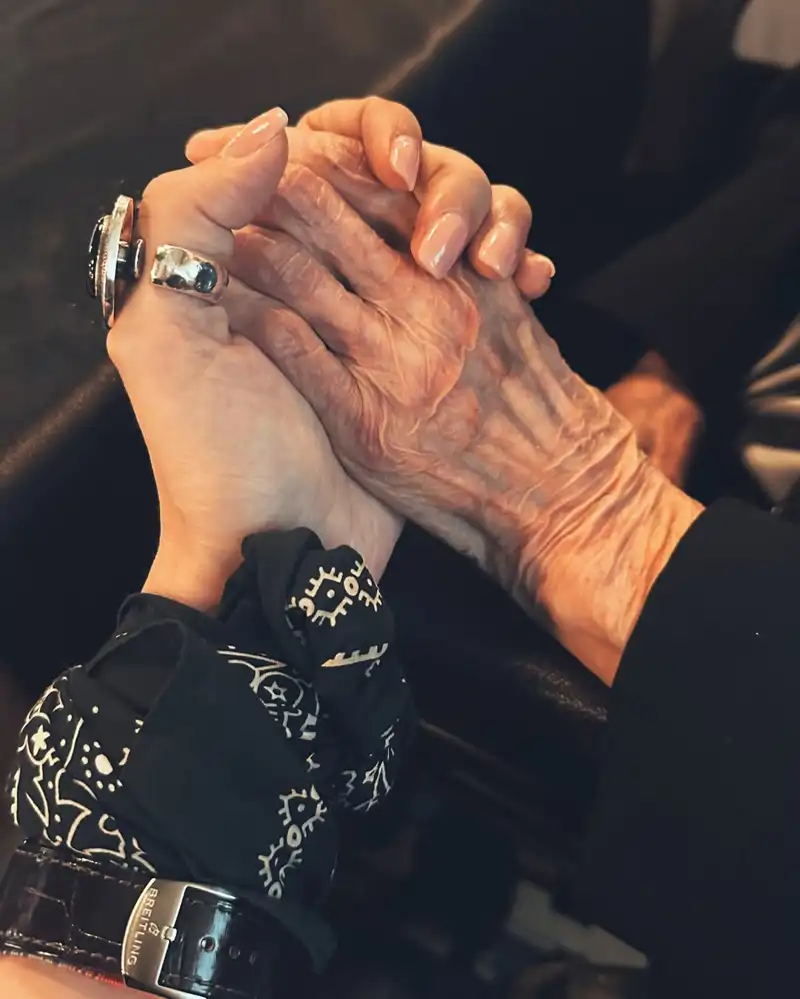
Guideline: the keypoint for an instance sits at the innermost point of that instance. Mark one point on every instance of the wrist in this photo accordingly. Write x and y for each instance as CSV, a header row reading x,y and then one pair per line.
x,y
589,585
363,523
559,504
190,575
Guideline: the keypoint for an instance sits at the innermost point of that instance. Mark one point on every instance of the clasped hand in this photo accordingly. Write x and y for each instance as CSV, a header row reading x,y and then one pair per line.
x,y
359,371
234,447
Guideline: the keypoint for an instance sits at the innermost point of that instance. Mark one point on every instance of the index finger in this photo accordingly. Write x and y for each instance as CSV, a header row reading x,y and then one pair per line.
x,y
454,194
391,135
455,198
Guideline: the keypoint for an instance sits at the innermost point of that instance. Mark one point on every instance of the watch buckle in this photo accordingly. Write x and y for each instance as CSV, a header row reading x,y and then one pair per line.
x,y
151,929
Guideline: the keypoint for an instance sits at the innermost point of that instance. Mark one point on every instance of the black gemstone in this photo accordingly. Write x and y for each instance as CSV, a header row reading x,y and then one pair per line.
x,y
206,279
93,258
176,281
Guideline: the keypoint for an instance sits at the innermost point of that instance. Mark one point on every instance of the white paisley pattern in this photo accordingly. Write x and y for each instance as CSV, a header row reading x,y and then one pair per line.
x,y
337,711
61,772
288,698
300,812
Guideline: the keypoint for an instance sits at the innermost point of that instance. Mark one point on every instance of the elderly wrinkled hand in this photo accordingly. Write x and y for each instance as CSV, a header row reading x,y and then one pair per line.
x,y
422,384
447,400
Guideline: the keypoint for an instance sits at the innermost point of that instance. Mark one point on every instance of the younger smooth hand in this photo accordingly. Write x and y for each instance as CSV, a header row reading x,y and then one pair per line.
x,y
234,448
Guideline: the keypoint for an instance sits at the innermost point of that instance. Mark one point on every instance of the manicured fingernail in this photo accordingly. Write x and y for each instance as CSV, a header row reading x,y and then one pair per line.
x,y
500,249
405,159
257,134
443,244
540,260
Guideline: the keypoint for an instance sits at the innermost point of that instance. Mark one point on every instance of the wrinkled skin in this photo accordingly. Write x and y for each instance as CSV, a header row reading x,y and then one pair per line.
x,y
432,392
234,447
449,402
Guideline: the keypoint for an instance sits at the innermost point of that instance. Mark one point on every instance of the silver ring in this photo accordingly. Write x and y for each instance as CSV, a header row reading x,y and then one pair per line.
x,y
115,258
177,269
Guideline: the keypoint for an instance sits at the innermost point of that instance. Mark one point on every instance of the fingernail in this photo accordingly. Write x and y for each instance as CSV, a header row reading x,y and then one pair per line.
x,y
500,249
542,261
405,159
443,244
257,134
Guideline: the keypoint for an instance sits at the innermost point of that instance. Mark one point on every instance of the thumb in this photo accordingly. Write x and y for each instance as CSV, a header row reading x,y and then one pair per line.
x,y
210,142
197,208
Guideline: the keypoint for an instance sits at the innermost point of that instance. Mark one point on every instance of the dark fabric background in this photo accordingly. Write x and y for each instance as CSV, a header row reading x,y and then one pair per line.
x,y
98,97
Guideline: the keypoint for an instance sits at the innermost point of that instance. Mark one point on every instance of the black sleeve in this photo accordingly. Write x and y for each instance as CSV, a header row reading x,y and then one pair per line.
x,y
693,853
715,290
225,749
696,290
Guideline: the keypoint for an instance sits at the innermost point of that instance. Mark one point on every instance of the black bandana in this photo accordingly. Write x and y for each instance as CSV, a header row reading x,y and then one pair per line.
x,y
222,750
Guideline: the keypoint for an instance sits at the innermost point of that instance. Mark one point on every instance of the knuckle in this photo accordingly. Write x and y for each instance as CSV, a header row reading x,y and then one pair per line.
x,y
312,197
471,171
161,188
315,116
294,266
303,273
476,181
300,179
392,113
352,157
311,187
509,201
332,154
373,103
410,121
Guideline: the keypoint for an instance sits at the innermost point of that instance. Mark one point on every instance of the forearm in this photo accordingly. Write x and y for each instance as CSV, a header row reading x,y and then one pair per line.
x,y
587,580
693,292
557,502
592,590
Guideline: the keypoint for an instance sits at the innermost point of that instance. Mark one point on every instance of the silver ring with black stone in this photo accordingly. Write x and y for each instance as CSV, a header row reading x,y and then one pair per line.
x,y
116,257
177,269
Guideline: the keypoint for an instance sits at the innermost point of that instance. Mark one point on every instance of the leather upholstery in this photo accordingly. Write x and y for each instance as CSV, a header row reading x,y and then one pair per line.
x,y
482,670
78,519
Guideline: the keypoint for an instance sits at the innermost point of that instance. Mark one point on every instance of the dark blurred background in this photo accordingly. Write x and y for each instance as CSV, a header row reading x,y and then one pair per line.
x,y
97,98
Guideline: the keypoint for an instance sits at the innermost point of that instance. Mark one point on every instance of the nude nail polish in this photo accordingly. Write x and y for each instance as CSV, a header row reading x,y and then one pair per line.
x,y
257,134
500,249
443,244
405,159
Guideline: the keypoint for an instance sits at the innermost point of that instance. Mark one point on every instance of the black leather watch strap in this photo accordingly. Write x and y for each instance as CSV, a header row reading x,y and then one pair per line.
x,y
182,939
